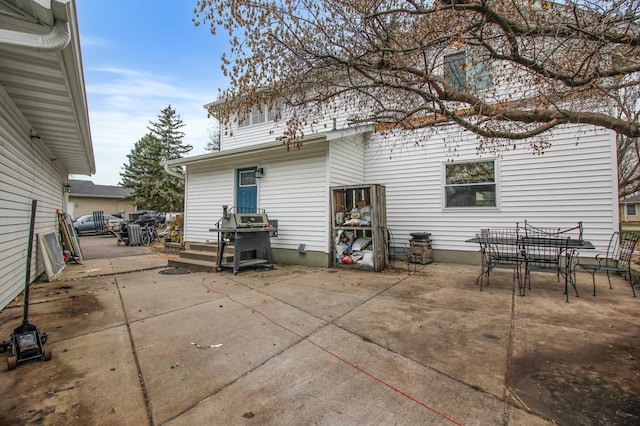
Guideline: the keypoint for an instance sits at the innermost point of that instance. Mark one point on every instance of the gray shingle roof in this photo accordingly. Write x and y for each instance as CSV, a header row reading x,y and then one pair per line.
x,y
631,200
86,188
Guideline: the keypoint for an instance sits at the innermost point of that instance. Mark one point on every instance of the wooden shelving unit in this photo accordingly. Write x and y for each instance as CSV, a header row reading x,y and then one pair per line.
x,y
359,213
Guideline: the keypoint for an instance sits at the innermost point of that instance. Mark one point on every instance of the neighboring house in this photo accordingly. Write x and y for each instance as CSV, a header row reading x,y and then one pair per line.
x,y
630,209
44,127
85,197
441,186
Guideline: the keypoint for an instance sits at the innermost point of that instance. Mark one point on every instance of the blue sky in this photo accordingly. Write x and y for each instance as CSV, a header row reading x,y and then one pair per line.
x,y
140,56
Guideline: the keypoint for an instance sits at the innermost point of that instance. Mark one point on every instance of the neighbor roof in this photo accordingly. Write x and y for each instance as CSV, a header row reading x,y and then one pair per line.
x,y
631,200
86,188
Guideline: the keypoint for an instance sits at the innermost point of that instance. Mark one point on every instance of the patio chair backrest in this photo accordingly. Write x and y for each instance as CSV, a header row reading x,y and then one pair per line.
x,y
499,245
395,249
621,248
550,232
538,232
575,232
545,252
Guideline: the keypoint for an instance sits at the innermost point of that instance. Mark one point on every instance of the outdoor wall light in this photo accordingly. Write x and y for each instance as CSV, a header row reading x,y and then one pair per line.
x,y
259,173
67,188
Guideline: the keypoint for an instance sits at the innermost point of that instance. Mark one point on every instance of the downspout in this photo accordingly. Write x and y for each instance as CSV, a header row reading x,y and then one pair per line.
x,y
56,40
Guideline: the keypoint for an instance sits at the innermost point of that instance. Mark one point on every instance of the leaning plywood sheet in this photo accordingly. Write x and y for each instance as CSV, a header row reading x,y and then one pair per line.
x,y
52,255
69,237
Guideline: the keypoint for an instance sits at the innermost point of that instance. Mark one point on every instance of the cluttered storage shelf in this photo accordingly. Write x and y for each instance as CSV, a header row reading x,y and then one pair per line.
x,y
359,223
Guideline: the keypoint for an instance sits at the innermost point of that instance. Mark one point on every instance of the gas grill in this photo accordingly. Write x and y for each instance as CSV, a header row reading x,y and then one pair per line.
x,y
250,236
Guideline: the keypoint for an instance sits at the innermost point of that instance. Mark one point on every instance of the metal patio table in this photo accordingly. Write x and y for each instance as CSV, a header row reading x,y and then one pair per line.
x,y
567,248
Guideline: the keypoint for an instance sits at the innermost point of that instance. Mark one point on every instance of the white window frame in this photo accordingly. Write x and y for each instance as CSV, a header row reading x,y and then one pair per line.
x,y
635,210
476,75
258,116
495,183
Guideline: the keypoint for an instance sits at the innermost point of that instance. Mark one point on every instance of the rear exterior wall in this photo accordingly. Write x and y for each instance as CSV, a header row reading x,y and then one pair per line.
x,y
574,180
293,191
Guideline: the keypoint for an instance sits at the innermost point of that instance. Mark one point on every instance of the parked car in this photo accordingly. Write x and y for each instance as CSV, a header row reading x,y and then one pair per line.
x,y
85,224
159,218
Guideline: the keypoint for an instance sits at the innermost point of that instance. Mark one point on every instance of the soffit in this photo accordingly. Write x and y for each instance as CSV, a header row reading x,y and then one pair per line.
x,y
47,86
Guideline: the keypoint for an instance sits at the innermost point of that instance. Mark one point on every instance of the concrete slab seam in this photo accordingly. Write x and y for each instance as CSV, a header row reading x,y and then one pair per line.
x,y
246,373
338,357
507,376
145,394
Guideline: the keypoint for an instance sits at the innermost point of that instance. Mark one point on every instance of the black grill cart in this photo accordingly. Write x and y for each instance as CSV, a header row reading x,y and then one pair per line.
x,y
250,236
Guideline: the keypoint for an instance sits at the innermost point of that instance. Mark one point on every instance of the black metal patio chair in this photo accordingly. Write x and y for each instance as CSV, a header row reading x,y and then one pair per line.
x,y
499,248
547,254
546,249
399,251
617,259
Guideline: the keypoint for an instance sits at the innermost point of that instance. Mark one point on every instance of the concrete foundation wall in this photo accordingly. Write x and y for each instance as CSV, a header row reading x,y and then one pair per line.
x,y
323,260
310,258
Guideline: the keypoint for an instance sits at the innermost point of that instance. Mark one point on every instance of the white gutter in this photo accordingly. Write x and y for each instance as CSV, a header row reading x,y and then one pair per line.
x,y
171,172
257,148
242,151
56,40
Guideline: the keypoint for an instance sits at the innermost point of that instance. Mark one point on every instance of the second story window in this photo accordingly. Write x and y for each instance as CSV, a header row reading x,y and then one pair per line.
x,y
259,115
464,71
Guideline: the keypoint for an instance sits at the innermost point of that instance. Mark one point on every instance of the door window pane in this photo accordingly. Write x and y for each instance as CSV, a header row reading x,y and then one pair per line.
x,y
247,178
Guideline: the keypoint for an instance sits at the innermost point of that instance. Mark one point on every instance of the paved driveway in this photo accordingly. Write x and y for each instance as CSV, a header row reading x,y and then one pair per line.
x,y
133,344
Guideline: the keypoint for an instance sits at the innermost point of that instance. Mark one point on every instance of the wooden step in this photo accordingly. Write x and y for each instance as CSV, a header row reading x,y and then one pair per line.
x,y
213,247
198,255
193,264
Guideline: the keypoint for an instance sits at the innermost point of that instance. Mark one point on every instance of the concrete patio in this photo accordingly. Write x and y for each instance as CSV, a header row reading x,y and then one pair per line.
x,y
135,344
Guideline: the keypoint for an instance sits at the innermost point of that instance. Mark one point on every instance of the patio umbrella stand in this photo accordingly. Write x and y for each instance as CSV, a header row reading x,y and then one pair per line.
x,y
27,342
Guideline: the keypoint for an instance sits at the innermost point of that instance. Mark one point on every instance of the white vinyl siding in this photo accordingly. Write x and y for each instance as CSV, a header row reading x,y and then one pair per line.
x,y
293,191
346,161
27,172
207,191
575,180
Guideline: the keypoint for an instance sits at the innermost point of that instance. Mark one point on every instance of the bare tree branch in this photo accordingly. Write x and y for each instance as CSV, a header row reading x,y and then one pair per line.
x,y
548,63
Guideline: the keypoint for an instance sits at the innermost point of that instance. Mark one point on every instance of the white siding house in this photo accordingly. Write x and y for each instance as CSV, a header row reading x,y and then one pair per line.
x,y
574,180
44,127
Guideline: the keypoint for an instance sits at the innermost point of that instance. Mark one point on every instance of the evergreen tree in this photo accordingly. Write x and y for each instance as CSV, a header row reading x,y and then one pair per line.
x,y
167,131
213,144
153,188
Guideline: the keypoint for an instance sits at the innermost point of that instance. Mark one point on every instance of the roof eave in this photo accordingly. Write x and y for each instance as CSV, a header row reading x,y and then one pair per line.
x,y
72,58
254,149
51,46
